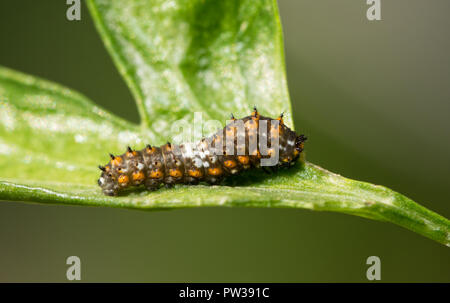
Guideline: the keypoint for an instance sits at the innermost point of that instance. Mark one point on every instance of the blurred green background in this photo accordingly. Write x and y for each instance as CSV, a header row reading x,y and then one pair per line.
x,y
373,97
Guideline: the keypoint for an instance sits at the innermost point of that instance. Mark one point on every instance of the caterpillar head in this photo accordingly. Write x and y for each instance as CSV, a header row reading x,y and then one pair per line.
x,y
107,182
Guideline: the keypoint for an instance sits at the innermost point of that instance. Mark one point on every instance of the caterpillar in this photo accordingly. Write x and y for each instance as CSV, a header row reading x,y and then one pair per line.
x,y
251,142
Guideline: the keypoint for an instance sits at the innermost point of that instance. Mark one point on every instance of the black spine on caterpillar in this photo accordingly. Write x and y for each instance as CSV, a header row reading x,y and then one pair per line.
x,y
209,160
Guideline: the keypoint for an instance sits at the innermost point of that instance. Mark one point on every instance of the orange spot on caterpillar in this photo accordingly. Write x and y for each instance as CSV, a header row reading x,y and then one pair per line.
x,y
116,161
176,173
156,174
196,173
255,116
149,149
230,163
216,171
123,180
138,176
132,154
243,159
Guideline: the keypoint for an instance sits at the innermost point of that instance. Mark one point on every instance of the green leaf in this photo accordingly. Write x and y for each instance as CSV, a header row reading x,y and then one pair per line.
x,y
177,57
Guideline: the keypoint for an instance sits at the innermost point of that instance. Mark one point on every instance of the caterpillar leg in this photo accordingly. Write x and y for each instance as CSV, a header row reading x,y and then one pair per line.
x,y
213,181
192,181
151,184
110,192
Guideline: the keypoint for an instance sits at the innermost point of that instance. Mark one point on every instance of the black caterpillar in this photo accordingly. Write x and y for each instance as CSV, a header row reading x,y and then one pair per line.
x,y
209,160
